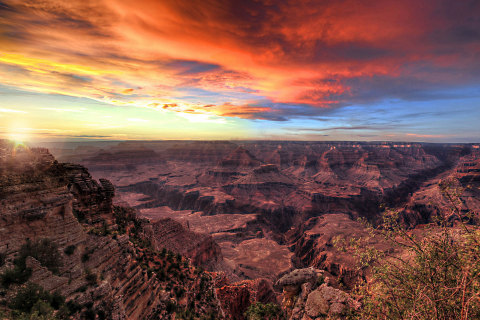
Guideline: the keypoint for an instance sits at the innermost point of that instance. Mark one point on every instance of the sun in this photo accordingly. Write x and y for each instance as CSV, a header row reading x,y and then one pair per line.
x,y
18,138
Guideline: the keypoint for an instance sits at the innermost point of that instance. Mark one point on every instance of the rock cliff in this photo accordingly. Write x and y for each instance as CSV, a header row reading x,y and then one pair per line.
x,y
105,265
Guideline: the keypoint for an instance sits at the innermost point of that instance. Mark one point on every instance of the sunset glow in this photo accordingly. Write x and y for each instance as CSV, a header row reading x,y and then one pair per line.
x,y
301,70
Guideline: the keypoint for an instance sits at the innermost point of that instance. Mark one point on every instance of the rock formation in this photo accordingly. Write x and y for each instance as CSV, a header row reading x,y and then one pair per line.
x,y
200,248
106,266
307,294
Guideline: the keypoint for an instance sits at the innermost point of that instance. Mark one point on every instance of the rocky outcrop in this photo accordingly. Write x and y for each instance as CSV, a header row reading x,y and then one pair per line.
x,y
307,294
328,301
237,297
265,176
91,198
240,157
200,248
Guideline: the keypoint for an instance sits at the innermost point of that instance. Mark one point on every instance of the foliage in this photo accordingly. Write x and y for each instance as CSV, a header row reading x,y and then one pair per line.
x,y
90,277
18,274
3,256
80,215
260,311
69,250
33,302
437,278
123,217
44,250
86,255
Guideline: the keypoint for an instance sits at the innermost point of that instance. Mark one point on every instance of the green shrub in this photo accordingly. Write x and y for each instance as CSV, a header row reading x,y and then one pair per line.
x,y
171,306
3,256
123,216
260,311
179,291
57,300
85,256
79,215
73,306
162,276
90,277
101,315
82,289
320,280
42,308
44,250
89,314
33,295
69,250
16,275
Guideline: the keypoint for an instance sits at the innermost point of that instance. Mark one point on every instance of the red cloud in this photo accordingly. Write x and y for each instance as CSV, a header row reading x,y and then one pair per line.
x,y
319,53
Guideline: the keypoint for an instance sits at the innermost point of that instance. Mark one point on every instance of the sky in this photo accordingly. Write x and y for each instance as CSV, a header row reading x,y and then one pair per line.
x,y
253,69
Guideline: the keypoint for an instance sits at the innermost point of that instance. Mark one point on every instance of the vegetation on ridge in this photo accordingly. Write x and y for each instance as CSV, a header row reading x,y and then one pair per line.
x,y
437,279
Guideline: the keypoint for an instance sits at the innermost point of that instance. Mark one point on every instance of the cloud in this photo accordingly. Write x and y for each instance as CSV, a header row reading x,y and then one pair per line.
x,y
247,111
137,120
64,109
342,128
7,110
417,135
246,59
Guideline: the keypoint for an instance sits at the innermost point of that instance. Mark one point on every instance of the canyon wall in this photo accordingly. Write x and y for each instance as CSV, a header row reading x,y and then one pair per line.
x,y
106,265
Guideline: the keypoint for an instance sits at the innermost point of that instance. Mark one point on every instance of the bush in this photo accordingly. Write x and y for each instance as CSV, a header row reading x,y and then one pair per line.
x,y
90,277
33,297
79,215
73,306
89,314
3,256
45,251
438,279
163,253
42,308
69,250
17,274
123,216
171,306
260,311
86,255
57,300
179,291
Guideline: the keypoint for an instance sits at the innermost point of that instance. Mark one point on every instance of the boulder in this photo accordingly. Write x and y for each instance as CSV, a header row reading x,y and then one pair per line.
x,y
329,301
298,277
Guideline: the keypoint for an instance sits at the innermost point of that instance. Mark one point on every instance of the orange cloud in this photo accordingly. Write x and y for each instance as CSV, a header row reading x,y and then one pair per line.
x,y
416,135
318,53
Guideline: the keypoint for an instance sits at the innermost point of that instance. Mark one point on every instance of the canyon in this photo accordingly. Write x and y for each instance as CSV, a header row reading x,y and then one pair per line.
x,y
162,229
271,206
